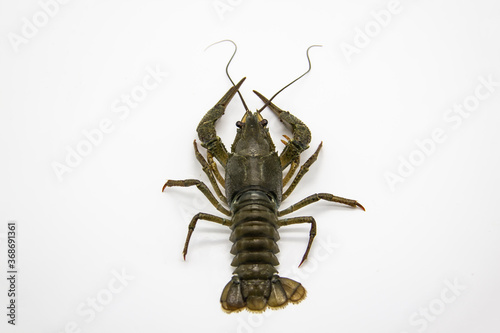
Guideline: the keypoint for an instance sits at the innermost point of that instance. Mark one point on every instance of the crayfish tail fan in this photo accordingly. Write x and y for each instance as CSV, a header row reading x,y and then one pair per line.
x,y
295,292
232,298
256,295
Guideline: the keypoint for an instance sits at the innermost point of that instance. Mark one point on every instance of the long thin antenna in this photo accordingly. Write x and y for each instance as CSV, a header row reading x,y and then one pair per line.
x,y
308,70
227,67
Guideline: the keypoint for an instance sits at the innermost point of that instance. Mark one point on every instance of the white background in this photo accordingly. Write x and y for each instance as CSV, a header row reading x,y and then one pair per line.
x,y
108,215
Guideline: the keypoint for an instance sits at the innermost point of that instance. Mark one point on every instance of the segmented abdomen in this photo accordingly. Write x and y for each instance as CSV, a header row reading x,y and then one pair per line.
x,y
254,236
255,284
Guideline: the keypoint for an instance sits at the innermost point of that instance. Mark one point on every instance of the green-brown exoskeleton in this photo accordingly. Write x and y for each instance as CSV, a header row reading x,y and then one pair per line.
x,y
253,191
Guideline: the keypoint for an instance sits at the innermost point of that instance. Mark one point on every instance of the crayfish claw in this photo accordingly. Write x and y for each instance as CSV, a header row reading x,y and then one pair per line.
x,y
301,133
206,127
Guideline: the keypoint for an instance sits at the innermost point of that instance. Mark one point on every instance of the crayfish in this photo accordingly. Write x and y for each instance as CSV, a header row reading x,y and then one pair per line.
x,y
253,185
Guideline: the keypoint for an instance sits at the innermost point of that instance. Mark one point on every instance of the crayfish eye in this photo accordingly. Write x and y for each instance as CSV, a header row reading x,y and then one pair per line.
x,y
239,124
263,122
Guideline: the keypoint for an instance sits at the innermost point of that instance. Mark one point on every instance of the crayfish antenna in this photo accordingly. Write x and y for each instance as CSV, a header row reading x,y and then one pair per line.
x,y
308,70
227,67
